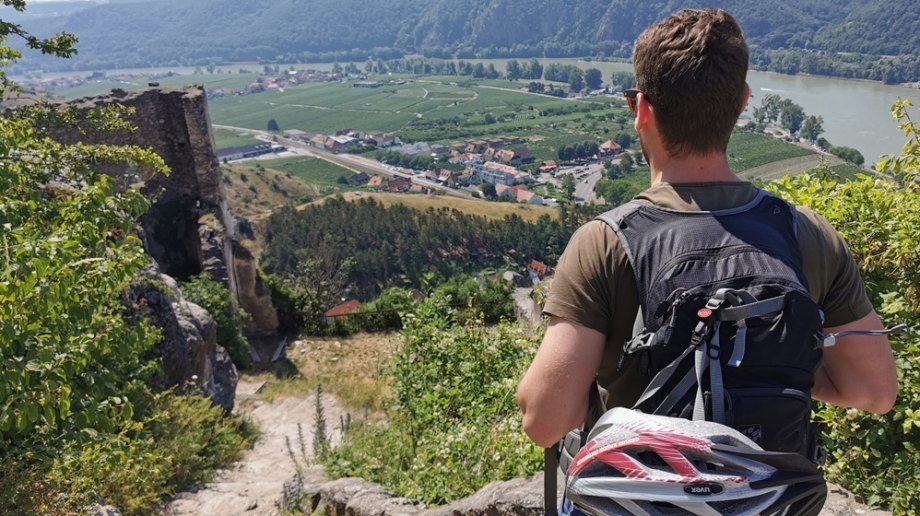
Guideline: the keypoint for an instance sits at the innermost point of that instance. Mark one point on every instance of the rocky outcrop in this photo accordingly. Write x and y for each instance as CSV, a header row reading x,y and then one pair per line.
x,y
187,352
188,229
254,295
519,497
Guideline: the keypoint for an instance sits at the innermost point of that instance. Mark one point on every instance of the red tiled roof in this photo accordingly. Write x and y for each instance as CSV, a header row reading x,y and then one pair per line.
x,y
343,309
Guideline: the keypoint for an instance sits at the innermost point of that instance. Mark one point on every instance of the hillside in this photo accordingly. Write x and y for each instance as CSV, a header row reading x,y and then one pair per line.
x,y
352,30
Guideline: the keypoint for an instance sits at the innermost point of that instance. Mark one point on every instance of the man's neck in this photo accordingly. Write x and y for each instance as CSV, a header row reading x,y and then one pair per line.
x,y
707,168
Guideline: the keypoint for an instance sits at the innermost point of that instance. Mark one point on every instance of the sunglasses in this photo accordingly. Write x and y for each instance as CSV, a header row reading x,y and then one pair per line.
x,y
631,96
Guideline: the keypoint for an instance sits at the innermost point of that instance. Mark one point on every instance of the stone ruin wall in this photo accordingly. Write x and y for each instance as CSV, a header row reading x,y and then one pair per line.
x,y
188,228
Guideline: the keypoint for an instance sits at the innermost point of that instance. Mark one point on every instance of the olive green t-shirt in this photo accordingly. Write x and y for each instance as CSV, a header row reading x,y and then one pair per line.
x,y
594,285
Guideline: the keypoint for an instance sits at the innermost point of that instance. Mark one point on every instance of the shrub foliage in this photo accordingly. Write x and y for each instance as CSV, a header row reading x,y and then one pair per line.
x,y
454,424
876,456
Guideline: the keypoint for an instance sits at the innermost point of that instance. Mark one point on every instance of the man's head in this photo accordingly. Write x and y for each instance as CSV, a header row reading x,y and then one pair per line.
x,y
691,67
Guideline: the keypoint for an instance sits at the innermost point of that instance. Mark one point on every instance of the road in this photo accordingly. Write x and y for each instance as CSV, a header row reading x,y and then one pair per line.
x,y
350,161
586,177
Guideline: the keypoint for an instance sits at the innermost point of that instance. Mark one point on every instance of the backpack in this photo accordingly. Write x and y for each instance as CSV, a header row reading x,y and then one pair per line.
x,y
726,330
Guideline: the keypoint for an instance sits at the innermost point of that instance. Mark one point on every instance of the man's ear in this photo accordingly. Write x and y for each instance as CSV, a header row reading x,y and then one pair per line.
x,y
747,96
645,113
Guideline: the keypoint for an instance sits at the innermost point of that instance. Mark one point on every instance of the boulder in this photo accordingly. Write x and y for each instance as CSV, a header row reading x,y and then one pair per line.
x,y
188,351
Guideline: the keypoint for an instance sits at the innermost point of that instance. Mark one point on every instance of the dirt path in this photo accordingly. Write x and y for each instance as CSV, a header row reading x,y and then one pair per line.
x,y
254,485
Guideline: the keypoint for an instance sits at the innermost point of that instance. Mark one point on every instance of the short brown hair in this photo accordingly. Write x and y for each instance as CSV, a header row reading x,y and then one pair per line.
x,y
692,67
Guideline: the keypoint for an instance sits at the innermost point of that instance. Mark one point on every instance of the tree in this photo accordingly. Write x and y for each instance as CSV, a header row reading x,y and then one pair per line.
x,y
489,119
791,116
72,247
513,70
622,80
771,107
488,190
272,126
848,153
811,128
568,185
576,79
593,79
535,69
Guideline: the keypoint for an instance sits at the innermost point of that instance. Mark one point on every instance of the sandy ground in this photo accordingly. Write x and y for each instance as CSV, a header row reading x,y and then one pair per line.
x,y
254,485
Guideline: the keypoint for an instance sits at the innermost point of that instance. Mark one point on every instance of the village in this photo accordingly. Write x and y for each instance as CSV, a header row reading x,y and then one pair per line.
x,y
500,168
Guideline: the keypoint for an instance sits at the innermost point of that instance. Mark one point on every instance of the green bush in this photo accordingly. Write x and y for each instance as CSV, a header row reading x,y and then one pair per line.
x,y
214,297
453,422
182,442
877,456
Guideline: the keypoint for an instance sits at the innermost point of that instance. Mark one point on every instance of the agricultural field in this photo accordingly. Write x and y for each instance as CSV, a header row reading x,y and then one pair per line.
x,y
430,109
311,171
225,139
747,151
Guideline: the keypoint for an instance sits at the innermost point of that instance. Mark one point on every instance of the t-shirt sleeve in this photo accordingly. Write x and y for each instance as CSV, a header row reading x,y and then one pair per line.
x,y
583,289
834,279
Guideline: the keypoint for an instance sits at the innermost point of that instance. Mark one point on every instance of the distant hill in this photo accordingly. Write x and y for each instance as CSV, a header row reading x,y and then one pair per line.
x,y
177,32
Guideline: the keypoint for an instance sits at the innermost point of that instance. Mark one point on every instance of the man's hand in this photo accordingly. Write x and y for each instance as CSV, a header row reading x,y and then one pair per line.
x,y
859,370
553,395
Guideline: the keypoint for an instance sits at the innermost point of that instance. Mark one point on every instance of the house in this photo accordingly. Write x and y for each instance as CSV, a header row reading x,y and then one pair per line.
x,y
342,310
519,193
497,173
398,185
297,134
514,157
359,178
319,141
384,139
378,182
610,148
538,270
549,166
414,149
528,197
418,189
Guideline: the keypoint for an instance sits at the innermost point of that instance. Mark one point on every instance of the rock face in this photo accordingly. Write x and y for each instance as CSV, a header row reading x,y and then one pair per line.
x,y
188,229
254,295
188,351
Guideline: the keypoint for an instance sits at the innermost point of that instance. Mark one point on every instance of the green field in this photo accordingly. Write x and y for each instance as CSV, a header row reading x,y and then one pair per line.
x,y
433,109
225,139
309,170
748,150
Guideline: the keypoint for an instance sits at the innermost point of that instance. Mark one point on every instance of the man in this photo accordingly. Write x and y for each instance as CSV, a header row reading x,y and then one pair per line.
x,y
690,77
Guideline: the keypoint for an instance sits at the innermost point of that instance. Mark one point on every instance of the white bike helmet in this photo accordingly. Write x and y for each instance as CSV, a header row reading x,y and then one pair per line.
x,y
639,464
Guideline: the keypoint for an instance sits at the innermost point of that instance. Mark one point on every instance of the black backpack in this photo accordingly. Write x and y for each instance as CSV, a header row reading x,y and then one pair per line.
x,y
728,331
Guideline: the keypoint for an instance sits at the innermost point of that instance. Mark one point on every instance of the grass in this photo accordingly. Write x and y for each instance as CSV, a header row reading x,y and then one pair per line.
x,y
748,150
225,139
492,210
349,368
253,193
312,171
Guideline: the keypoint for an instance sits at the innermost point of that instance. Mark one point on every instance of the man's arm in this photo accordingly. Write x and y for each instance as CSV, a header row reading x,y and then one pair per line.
x,y
553,395
859,371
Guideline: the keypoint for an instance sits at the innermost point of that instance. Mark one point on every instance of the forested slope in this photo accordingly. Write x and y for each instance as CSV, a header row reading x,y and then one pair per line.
x,y
170,32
